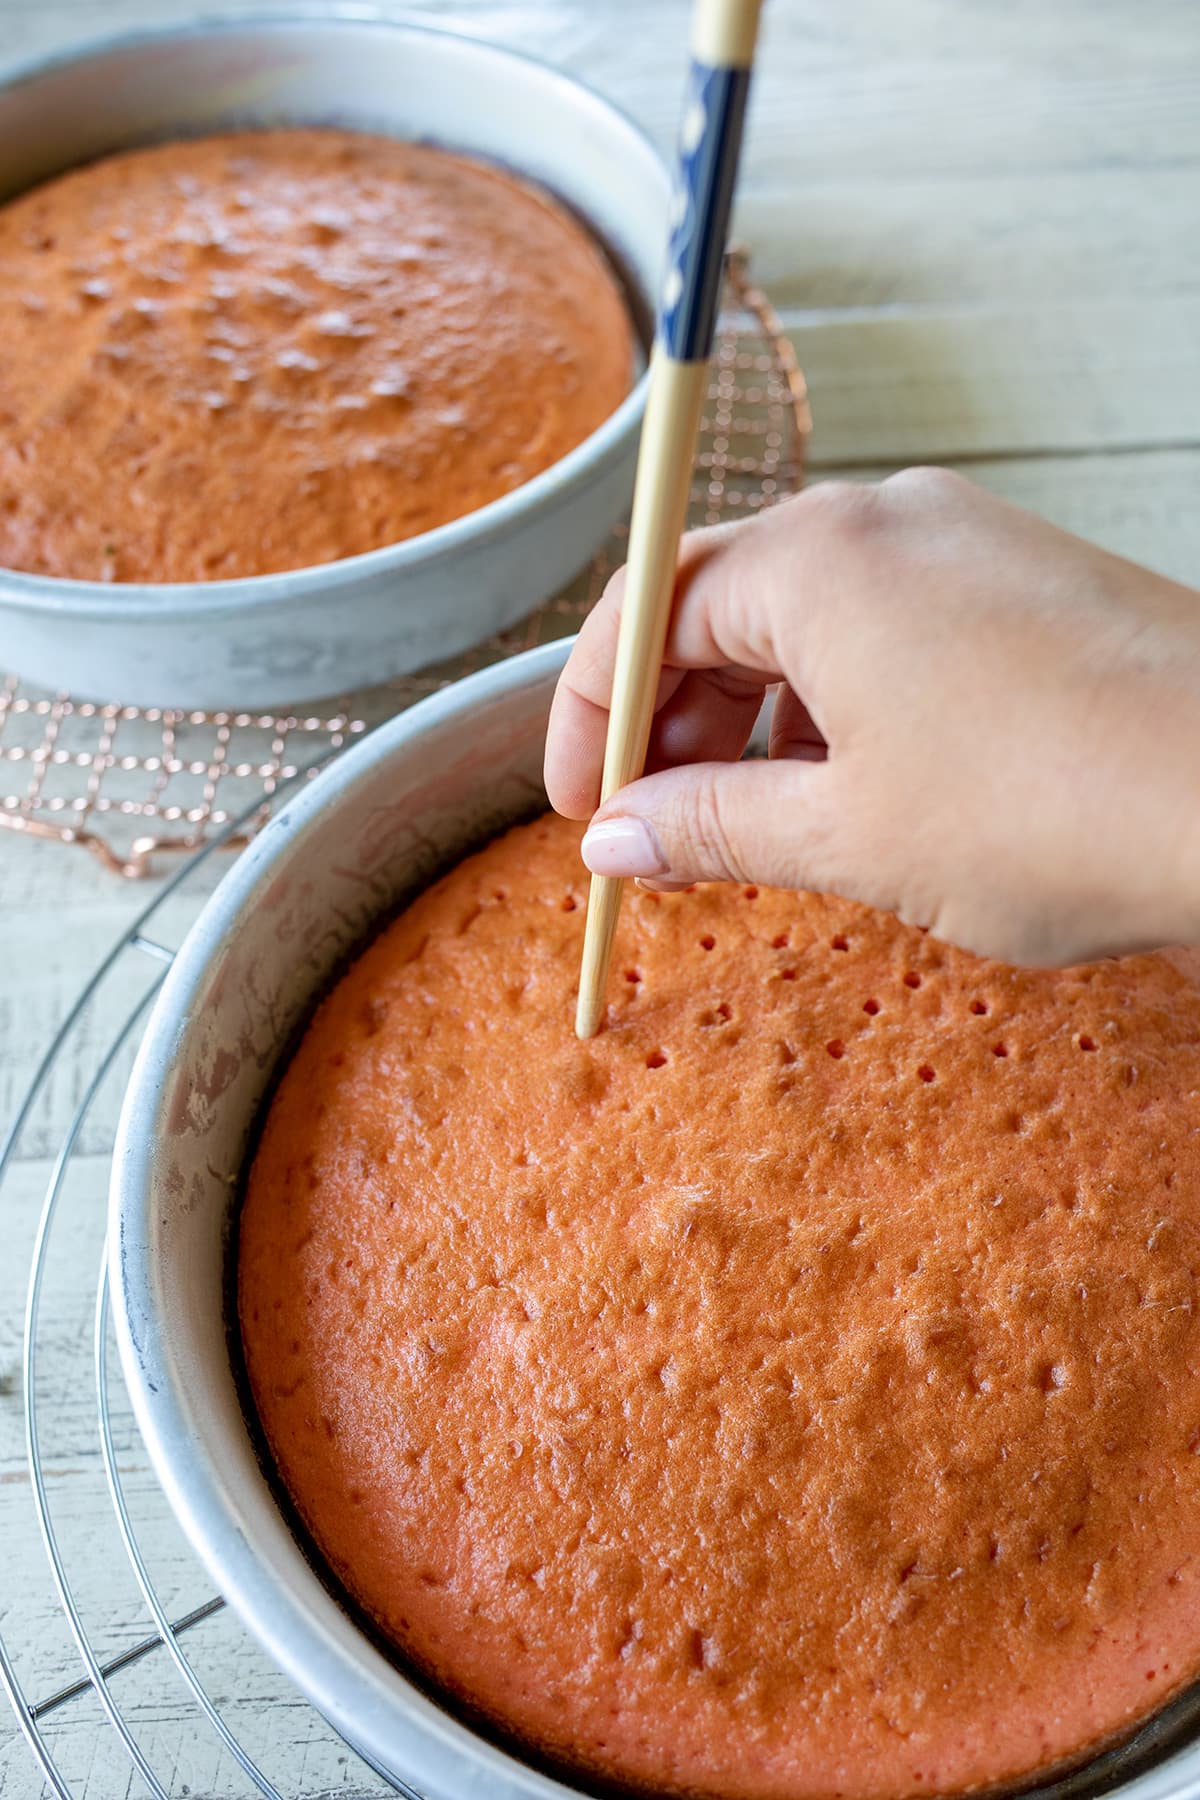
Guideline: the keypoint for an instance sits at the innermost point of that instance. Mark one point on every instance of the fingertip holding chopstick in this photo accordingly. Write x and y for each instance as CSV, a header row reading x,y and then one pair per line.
x,y
723,40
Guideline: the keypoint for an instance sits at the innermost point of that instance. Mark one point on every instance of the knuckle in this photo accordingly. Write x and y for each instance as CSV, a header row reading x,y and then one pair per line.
x,y
698,545
706,828
847,512
925,483
613,592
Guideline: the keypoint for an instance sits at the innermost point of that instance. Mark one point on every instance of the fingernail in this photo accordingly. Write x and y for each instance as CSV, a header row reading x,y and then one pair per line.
x,y
628,846
651,884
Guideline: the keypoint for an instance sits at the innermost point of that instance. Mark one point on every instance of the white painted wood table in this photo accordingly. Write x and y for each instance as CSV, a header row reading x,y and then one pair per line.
x,y
983,225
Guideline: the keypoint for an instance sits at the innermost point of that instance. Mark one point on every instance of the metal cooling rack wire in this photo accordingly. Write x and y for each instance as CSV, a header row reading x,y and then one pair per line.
x,y
32,1434
154,1605
168,1632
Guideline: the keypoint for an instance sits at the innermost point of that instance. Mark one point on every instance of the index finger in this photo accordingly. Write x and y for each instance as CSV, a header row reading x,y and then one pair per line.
x,y
720,628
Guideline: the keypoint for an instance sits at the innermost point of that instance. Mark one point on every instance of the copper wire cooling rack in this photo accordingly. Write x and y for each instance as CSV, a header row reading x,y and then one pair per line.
x,y
128,783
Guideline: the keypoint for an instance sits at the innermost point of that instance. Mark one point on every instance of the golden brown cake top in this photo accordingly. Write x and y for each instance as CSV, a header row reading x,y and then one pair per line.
x,y
794,1391
267,350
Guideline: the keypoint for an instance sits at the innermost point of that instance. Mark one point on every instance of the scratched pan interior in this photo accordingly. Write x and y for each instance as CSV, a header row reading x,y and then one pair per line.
x,y
340,857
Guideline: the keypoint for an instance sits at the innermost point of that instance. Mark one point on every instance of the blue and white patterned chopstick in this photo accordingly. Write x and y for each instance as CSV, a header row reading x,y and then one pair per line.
x,y
723,36
709,144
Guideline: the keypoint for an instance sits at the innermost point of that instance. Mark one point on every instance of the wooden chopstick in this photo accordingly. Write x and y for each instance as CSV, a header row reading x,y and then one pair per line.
x,y
723,38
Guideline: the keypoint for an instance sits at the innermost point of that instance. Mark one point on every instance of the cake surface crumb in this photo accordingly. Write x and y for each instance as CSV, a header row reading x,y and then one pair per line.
x,y
268,350
782,1394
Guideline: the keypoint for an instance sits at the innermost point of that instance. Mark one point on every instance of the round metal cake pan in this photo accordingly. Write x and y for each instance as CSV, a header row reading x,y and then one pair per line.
x,y
281,639
388,816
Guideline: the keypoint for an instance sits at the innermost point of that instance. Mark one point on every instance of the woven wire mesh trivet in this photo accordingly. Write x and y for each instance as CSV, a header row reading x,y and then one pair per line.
x,y
128,782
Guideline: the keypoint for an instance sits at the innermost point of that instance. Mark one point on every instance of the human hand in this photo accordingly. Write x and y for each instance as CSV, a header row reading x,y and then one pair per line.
x,y
982,723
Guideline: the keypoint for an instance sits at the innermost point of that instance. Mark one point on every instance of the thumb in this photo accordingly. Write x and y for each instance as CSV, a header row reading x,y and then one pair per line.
x,y
772,822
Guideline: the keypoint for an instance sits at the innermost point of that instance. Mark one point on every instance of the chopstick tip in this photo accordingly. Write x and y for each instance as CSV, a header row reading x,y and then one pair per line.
x,y
588,1013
